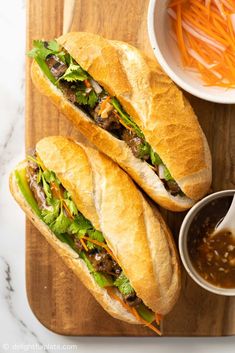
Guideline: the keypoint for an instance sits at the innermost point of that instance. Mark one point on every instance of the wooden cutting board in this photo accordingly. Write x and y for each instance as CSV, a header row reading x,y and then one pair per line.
x,y
56,296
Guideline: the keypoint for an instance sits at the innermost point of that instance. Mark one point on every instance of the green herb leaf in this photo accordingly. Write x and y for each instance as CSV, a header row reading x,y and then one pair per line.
x,y
80,225
39,50
96,235
71,206
144,150
84,98
50,215
123,284
39,176
67,195
81,97
53,46
46,188
92,99
50,176
61,224
74,73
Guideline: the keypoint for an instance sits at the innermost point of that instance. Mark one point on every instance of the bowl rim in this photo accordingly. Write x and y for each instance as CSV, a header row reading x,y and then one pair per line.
x,y
182,242
212,97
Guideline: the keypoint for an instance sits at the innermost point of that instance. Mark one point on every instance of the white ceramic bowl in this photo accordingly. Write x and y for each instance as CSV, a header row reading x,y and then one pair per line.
x,y
183,249
167,54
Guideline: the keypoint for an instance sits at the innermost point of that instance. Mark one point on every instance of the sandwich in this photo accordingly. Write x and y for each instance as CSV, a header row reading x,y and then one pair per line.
x,y
124,104
102,226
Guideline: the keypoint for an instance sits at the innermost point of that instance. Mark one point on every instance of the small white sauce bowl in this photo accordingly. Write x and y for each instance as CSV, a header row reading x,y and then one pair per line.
x,y
183,248
168,55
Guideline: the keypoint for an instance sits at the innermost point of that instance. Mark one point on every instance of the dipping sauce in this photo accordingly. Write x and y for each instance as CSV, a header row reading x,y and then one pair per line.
x,y
213,257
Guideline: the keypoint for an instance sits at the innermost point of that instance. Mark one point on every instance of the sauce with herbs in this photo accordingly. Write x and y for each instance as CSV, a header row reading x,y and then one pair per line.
x,y
213,257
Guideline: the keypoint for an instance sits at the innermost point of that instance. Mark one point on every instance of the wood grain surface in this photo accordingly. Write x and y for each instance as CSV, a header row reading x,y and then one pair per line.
x,y
56,296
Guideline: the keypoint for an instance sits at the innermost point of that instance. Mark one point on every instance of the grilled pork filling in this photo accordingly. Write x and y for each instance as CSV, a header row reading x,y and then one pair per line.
x,y
84,92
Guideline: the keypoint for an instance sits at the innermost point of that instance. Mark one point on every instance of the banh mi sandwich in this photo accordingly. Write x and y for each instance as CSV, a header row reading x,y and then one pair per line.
x,y
125,105
91,212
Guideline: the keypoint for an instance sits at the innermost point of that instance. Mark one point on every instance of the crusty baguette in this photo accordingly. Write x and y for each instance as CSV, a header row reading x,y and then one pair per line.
x,y
134,230
156,105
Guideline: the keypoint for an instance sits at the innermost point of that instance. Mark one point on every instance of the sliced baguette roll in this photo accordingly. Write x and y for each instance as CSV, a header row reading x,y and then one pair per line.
x,y
134,230
155,104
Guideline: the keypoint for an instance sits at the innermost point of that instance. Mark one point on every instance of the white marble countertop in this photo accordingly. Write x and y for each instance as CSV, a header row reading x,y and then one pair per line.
x,y
19,329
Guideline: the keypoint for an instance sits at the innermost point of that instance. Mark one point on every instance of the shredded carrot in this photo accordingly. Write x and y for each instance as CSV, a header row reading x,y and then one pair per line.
x,y
57,193
177,2
83,244
205,34
133,311
146,323
105,246
116,297
87,83
179,33
158,318
103,104
208,31
68,210
121,122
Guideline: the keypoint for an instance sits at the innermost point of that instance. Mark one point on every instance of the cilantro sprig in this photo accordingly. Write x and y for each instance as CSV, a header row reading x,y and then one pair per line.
x,y
123,284
82,226
74,72
86,98
41,50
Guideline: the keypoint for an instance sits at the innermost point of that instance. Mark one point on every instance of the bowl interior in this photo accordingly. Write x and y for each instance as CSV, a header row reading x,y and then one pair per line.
x,y
167,54
183,248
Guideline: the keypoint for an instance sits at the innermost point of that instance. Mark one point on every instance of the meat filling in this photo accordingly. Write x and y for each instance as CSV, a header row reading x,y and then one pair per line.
x,y
135,143
36,188
69,90
106,117
172,187
132,299
56,66
103,262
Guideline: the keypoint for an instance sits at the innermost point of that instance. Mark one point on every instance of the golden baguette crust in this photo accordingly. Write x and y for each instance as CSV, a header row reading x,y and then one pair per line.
x,y
121,210
111,146
71,259
146,252
153,101
134,231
